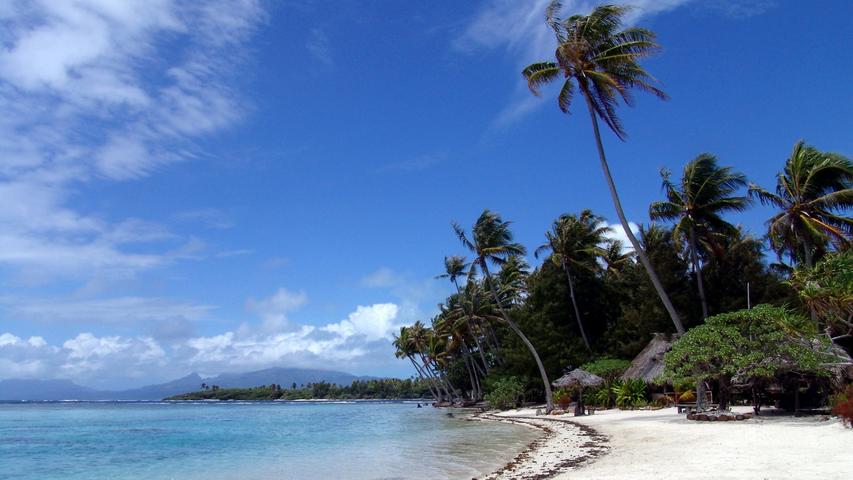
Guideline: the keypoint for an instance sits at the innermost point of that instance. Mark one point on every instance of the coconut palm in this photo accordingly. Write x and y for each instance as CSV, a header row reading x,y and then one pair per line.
x,y
812,194
614,256
695,204
454,267
492,242
574,244
602,60
403,345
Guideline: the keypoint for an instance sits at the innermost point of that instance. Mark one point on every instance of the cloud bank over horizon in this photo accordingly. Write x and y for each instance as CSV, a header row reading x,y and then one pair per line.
x,y
356,342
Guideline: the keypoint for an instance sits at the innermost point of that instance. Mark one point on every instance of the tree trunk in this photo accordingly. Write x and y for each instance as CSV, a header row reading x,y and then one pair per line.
x,y
549,401
467,360
694,258
676,320
430,384
471,329
575,304
701,396
724,382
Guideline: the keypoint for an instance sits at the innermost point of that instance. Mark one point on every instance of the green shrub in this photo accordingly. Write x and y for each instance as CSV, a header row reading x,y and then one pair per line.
x,y
607,368
563,397
506,393
630,393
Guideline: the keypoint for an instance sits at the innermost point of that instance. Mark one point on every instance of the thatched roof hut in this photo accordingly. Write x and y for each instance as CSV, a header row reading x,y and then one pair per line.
x,y
578,377
648,364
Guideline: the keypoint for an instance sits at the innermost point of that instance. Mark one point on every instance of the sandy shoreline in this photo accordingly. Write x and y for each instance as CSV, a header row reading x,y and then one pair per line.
x,y
657,444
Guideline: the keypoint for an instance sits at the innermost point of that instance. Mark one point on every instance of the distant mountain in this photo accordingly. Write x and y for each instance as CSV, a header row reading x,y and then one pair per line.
x,y
17,389
47,390
282,376
156,392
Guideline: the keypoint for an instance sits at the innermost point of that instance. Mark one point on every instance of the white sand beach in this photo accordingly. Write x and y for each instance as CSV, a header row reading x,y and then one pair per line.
x,y
662,444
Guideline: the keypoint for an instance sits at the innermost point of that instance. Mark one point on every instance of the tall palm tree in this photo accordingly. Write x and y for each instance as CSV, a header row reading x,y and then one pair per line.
x,y
574,244
812,194
602,60
492,241
696,204
454,267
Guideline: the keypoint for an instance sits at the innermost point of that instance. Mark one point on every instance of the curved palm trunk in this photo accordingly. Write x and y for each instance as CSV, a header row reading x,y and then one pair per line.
x,y
549,401
694,258
575,304
644,259
430,385
473,333
441,382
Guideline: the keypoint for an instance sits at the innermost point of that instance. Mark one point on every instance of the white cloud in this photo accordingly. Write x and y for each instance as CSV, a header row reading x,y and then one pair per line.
x,y
519,29
616,232
100,90
110,360
273,309
374,322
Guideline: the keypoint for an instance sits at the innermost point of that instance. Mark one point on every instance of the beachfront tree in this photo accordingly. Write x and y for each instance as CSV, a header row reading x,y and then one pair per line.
x,y
492,242
812,195
695,204
827,289
574,242
755,345
454,267
602,59
404,348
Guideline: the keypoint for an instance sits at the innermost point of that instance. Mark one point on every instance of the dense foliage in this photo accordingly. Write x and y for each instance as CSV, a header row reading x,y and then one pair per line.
x,y
593,299
754,345
506,392
386,388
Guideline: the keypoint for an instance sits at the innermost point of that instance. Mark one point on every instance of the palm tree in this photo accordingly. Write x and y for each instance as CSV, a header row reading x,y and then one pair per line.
x,y
404,348
454,267
614,256
696,204
574,243
812,194
602,60
492,241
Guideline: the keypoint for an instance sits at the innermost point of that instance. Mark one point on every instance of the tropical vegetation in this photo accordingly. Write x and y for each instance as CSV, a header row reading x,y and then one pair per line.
x,y
507,328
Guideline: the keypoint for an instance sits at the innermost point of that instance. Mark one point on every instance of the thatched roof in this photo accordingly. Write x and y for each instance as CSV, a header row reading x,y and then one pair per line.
x,y
578,377
648,365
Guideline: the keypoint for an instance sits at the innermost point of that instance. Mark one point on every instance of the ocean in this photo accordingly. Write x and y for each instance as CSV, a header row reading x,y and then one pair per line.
x,y
247,440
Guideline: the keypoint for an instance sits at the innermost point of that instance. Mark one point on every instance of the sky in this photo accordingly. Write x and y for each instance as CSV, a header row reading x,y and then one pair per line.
x,y
222,186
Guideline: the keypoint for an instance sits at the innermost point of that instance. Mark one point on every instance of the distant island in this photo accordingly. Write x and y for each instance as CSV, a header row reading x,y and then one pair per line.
x,y
63,389
374,389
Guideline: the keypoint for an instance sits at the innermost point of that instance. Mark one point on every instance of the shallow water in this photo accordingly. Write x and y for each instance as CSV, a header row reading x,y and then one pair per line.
x,y
242,440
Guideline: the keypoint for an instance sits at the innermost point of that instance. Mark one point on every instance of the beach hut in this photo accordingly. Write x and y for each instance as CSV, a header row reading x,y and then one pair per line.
x,y
648,364
580,379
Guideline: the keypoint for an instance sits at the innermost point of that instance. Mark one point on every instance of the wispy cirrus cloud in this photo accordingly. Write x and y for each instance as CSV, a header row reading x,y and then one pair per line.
x,y
105,91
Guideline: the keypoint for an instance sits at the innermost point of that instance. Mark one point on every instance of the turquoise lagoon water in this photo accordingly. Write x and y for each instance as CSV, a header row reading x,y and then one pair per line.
x,y
244,440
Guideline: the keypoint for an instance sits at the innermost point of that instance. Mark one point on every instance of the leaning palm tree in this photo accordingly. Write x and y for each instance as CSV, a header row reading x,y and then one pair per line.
x,y
696,204
574,242
492,241
812,194
602,60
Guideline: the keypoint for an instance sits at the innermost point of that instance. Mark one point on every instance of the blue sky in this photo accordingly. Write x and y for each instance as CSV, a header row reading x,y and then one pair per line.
x,y
225,186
